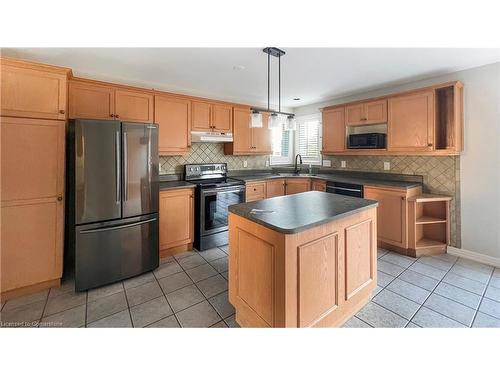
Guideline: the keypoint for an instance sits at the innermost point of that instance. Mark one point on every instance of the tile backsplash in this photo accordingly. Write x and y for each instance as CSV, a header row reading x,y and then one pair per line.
x,y
441,176
210,153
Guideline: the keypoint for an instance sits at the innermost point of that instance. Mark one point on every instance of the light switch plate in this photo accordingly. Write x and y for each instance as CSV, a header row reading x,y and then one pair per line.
x,y
343,164
327,163
267,163
387,165
245,163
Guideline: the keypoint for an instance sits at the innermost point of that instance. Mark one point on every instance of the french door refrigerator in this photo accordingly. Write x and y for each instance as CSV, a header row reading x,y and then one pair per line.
x,y
112,207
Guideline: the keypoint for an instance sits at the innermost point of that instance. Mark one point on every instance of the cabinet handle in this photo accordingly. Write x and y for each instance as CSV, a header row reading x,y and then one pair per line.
x,y
429,144
61,111
117,116
111,115
59,198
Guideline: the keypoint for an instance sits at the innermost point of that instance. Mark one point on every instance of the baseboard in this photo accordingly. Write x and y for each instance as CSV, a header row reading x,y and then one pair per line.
x,y
472,255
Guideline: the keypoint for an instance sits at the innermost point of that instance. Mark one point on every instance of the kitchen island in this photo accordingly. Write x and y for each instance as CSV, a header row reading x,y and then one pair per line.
x,y
303,260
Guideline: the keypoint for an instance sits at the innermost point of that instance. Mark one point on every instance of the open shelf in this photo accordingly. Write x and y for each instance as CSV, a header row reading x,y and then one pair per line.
x,y
429,220
425,243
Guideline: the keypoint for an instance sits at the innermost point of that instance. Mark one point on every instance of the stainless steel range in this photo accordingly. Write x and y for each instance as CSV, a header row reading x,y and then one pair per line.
x,y
214,193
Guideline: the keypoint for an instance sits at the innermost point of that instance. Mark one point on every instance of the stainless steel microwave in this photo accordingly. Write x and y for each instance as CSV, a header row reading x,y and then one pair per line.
x,y
366,140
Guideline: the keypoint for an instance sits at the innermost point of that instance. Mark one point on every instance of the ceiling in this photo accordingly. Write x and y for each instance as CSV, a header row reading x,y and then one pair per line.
x,y
240,74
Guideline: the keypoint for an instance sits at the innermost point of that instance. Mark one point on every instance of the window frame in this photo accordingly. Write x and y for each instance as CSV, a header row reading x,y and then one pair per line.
x,y
300,121
285,160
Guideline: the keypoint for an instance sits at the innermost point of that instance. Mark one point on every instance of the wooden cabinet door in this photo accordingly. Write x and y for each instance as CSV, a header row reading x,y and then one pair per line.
x,y
355,114
318,185
391,214
32,212
255,190
297,185
134,106
173,116
201,116
275,188
33,93
261,137
222,119
242,134
376,112
411,122
334,130
176,218
87,100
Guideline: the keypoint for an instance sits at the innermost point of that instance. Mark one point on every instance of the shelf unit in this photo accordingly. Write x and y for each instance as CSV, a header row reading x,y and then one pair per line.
x,y
429,224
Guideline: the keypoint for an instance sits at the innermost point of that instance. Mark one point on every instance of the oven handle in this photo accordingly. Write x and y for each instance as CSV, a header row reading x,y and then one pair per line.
x,y
341,188
222,190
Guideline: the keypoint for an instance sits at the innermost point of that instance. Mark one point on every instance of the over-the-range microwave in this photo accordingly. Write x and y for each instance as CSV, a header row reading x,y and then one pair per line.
x,y
366,140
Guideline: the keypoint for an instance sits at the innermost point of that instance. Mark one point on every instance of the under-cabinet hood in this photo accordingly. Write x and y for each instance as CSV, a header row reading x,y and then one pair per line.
x,y
212,137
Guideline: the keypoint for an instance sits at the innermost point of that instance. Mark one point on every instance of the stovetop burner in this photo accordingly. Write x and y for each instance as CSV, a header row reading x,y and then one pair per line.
x,y
209,175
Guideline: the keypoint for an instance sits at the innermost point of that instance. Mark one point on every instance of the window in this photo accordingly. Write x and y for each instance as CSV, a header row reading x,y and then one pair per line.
x,y
308,143
282,146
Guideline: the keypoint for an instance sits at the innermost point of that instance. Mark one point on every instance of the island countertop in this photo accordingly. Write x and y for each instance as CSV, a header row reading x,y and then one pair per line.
x,y
298,212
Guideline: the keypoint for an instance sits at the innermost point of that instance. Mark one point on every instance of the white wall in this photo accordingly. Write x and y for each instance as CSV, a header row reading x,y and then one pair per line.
x,y
480,161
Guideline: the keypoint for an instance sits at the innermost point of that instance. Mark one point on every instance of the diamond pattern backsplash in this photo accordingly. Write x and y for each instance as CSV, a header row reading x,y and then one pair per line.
x,y
209,153
441,176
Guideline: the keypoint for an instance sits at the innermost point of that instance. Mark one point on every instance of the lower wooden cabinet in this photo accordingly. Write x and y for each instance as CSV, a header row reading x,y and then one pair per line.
x,y
176,221
318,185
275,188
255,191
32,204
392,227
297,185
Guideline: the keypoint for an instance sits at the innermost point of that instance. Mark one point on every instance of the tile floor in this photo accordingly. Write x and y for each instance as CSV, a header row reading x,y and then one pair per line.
x,y
439,291
190,290
187,290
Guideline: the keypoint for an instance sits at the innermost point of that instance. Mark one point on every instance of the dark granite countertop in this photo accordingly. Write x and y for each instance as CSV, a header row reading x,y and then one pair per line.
x,y
298,212
336,178
171,185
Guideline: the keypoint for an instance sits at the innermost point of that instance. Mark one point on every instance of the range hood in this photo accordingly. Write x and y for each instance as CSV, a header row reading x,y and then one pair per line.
x,y
211,137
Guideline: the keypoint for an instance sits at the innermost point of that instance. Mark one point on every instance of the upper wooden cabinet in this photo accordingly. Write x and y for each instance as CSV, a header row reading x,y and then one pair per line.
x,y
246,140
411,122
173,116
135,106
426,121
101,101
33,90
207,116
373,112
334,137
92,101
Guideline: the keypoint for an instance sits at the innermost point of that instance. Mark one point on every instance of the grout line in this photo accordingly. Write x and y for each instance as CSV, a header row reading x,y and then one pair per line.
x,y
164,295
86,308
44,307
128,305
482,298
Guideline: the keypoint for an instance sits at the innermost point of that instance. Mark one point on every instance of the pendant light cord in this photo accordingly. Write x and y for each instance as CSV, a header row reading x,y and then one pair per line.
x,y
279,83
268,80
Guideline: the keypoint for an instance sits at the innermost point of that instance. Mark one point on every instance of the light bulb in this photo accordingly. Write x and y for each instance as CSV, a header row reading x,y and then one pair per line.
x,y
256,120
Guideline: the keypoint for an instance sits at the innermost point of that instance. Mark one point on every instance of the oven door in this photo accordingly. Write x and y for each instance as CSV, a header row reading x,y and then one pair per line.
x,y
214,207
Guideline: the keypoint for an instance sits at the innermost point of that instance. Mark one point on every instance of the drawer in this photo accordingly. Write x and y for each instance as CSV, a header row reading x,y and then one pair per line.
x,y
255,191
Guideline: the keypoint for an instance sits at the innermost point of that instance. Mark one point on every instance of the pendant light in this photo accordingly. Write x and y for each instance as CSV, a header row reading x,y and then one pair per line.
x,y
277,119
256,119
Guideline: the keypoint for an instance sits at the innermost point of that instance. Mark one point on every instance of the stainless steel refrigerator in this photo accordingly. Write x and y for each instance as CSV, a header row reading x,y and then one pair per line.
x,y
112,206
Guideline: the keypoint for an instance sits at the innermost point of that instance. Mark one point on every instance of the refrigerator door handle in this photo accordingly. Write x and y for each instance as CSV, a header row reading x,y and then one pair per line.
x,y
125,164
117,165
117,227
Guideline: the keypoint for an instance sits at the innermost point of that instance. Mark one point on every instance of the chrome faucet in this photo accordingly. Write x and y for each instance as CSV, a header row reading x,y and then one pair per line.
x,y
296,170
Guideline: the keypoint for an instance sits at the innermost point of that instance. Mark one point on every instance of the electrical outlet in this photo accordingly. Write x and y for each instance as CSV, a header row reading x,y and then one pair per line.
x,y
387,165
267,163
327,163
245,163
343,164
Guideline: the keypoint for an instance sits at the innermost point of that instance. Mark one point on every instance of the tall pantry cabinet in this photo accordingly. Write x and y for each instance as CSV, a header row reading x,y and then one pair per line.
x,y
32,159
